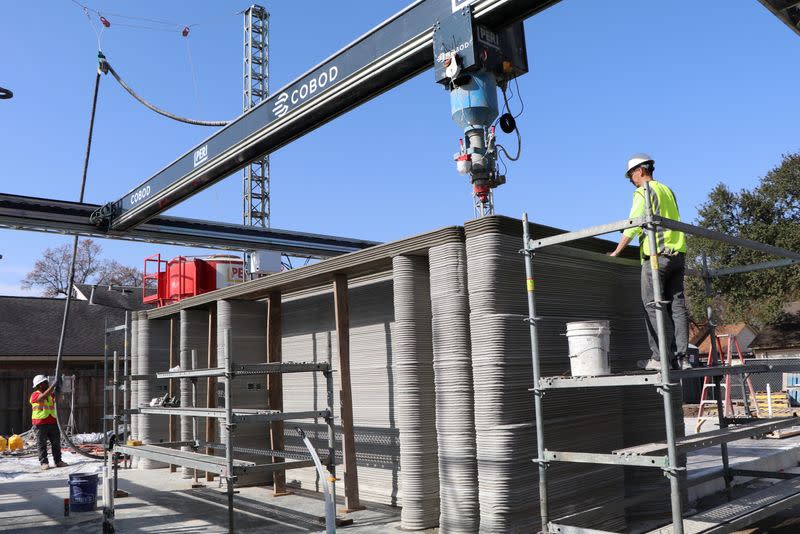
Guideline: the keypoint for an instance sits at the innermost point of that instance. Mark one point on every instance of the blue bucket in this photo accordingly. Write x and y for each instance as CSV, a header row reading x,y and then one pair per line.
x,y
82,492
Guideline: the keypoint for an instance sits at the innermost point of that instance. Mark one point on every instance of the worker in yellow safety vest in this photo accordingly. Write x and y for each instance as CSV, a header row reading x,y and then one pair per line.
x,y
43,417
670,248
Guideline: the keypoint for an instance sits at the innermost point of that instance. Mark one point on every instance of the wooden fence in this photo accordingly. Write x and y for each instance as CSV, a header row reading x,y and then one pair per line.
x,y
15,410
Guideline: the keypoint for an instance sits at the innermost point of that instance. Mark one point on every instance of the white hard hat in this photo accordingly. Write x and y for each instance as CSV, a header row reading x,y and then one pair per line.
x,y
636,160
38,379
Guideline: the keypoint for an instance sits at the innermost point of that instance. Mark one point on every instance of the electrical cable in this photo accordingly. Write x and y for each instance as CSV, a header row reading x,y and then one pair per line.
x,y
141,27
516,130
144,19
71,275
107,66
5,93
519,94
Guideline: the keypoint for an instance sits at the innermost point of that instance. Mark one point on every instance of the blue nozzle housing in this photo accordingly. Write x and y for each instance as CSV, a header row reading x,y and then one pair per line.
x,y
474,104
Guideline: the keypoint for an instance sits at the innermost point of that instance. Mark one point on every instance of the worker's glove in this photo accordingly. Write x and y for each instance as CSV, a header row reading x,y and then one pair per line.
x,y
56,384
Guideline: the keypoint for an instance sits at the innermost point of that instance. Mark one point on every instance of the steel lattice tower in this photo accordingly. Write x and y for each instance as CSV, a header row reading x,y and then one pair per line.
x,y
255,190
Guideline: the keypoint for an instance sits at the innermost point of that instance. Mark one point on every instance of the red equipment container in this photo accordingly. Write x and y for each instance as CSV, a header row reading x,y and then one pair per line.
x,y
184,276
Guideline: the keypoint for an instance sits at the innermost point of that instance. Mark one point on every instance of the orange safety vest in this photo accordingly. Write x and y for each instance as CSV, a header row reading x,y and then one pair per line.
x,y
42,409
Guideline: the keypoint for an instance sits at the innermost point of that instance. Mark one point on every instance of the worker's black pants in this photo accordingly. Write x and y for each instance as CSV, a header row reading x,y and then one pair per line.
x,y
45,433
671,270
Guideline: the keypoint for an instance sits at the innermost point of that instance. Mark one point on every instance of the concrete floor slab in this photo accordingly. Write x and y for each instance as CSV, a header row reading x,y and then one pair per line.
x,y
164,502
757,454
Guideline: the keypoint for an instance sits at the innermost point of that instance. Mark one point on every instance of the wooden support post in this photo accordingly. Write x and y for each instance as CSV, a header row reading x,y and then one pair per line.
x,y
275,386
92,398
26,396
173,334
342,307
211,391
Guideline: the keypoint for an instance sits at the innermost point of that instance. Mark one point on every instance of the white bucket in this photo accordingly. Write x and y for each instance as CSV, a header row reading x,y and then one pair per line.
x,y
588,347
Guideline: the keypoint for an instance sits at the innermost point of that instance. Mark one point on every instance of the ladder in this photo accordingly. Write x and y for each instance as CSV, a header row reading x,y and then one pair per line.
x,y
740,382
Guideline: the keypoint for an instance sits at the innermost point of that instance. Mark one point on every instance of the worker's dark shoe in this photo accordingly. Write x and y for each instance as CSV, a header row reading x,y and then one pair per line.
x,y
652,365
45,467
61,464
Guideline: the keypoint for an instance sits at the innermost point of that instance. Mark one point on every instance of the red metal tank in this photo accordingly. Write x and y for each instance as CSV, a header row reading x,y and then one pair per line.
x,y
185,276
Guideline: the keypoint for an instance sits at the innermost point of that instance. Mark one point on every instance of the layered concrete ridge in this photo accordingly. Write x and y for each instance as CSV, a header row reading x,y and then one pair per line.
x,y
583,420
415,400
452,364
153,355
440,366
246,324
193,337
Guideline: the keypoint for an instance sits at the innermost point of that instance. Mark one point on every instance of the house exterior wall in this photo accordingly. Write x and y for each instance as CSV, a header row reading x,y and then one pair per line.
x,y
777,353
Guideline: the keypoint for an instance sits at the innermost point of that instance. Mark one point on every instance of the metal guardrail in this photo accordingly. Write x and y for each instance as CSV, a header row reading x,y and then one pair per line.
x,y
249,369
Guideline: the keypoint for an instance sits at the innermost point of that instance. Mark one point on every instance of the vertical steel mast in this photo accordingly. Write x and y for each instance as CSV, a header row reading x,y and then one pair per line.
x,y
255,190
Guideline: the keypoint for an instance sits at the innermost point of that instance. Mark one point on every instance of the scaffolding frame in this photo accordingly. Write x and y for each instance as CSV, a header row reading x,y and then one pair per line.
x,y
226,466
661,456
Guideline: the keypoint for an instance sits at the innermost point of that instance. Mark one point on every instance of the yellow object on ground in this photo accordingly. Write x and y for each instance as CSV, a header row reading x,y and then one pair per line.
x,y
15,443
3,444
134,443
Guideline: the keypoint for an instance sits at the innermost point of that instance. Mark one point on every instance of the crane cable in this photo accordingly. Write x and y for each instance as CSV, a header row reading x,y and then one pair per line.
x,y
71,274
105,66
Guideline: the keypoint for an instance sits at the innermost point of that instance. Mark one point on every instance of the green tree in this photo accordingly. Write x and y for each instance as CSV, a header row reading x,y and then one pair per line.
x,y
769,213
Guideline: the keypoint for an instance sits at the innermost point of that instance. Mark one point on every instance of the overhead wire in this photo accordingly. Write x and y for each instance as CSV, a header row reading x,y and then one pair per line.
x,y
175,27
141,27
194,74
86,11
144,19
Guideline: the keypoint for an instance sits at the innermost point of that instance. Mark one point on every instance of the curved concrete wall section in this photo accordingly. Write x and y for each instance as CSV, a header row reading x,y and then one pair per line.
x,y
415,398
247,322
452,365
153,348
134,386
193,336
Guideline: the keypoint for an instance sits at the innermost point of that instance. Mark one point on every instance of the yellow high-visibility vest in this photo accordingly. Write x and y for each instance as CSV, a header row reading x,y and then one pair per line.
x,y
42,408
663,203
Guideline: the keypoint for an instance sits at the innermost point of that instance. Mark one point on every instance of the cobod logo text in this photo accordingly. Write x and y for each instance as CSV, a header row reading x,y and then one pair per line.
x,y
444,55
287,100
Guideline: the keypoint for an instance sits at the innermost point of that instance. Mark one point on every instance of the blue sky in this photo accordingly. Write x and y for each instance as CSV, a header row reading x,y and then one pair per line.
x,y
705,87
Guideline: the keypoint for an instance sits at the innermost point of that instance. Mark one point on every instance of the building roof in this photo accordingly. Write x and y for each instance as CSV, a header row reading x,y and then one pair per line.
x,y
31,326
124,298
704,347
782,335
697,333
